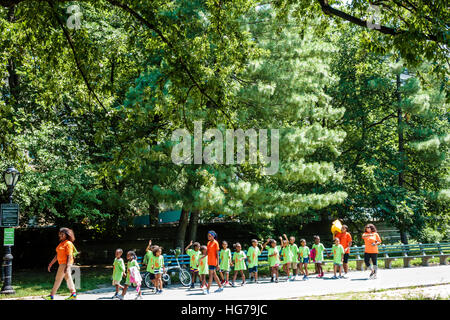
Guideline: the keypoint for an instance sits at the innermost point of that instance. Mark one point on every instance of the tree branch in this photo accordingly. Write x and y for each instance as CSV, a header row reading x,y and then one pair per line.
x,y
77,62
180,59
329,10
392,115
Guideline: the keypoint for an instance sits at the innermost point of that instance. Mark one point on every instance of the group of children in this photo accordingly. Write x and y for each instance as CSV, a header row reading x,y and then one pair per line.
x,y
153,261
287,255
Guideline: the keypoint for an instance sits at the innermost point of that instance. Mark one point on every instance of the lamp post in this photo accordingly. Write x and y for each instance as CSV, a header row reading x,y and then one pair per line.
x,y
10,176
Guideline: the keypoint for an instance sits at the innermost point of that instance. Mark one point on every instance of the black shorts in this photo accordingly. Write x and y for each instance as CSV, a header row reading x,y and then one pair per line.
x,y
151,275
370,256
346,257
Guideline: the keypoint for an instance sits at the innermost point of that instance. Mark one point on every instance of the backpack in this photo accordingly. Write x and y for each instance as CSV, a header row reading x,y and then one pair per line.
x,y
75,252
312,254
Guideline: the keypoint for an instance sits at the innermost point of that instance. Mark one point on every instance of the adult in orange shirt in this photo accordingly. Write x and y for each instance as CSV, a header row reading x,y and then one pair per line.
x,y
345,239
64,256
213,260
371,241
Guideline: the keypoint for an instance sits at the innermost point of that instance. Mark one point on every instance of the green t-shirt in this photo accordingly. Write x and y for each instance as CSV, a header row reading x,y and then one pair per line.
x,y
130,264
294,252
338,251
203,265
158,263
225,257
148,258
239,260
286,254
304,252
194,255
118,269
275,259
252,255
319,251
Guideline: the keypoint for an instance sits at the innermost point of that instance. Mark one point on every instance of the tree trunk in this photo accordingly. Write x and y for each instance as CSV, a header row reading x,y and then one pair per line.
x,y
13,78
403,237
182,226
401,150
193,224
154,214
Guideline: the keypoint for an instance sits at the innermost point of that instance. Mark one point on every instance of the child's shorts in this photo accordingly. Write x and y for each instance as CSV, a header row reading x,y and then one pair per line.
x,y
275,265
337,264
294,265
116,283
224,271
152,275
194,270
305,260
318,261
253,269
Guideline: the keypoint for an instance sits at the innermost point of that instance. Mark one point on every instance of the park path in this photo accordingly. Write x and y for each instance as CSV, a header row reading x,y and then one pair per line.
x,y
357,281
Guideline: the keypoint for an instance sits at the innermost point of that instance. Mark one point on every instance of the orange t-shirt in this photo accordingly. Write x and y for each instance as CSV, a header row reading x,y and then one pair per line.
x,y
213,248
63,250
369,239
344,240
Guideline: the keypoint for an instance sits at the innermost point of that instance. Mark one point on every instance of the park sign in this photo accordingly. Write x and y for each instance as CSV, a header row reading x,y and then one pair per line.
x,y
9,215
8,237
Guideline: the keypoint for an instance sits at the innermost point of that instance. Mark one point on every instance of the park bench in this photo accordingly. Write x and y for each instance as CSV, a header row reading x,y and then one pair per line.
x,y
443,257
387,253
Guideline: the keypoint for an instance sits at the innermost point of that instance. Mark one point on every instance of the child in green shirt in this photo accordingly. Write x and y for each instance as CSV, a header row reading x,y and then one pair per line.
x,y
286,254
294,255
149,262
304,258
252,255
203,269
338,257
239,263
225,263
132,262
158,268
118,272
193,261
273,257
319,247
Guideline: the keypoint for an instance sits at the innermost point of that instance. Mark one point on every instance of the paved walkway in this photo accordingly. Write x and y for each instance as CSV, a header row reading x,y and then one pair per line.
x,y
357,281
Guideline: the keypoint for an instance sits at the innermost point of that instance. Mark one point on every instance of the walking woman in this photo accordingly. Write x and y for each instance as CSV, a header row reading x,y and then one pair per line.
x,y
213,261
371,241
64,256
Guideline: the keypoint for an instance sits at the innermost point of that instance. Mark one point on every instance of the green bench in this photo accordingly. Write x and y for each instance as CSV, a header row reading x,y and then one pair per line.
x,y
390,253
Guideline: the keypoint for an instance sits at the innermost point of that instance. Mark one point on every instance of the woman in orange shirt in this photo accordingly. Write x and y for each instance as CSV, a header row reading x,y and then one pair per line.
x,y
371,241
64,256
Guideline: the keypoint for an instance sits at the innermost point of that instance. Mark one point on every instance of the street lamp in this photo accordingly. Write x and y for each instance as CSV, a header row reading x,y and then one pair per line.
x,y
10,176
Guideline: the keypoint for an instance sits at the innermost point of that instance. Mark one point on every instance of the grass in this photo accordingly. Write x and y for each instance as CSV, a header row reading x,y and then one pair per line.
x,y
40,282
409,293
